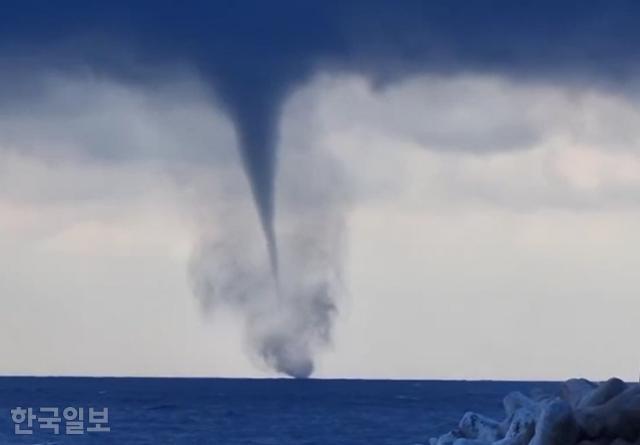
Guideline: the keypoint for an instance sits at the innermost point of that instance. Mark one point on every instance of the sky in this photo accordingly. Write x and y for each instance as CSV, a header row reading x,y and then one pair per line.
x,y
449,189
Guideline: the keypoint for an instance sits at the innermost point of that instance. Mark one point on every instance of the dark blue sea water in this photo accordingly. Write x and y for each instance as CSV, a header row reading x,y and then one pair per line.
x,y
253,412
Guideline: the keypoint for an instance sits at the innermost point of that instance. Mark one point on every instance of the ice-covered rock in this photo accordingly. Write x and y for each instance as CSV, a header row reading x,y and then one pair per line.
x,y
515,401
574,390
476,426
556,425
584,414
521,427
619,417
447,439
600,441
624,442
602,393
465,441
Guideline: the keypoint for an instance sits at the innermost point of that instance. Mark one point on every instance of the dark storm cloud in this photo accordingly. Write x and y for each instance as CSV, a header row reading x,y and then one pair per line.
x,y
254,53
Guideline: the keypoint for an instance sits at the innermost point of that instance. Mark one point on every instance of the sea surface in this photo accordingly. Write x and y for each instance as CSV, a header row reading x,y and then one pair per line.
x,y
250,411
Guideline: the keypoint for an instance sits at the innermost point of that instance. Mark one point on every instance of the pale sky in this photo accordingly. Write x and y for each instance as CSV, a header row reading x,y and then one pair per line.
x,y
490,226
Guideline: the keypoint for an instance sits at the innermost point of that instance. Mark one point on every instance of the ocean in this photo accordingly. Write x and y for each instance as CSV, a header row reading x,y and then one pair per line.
x,y
242,411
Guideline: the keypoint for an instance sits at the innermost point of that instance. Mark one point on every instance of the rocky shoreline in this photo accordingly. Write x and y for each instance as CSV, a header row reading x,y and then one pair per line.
x,y
583,413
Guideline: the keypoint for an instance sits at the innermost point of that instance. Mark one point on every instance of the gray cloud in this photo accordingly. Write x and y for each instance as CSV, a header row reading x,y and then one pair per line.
x,y
93,118
475,138
413,215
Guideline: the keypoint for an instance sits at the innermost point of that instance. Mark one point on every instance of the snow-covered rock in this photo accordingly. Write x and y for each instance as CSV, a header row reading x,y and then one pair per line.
x,y
584,413
556,425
